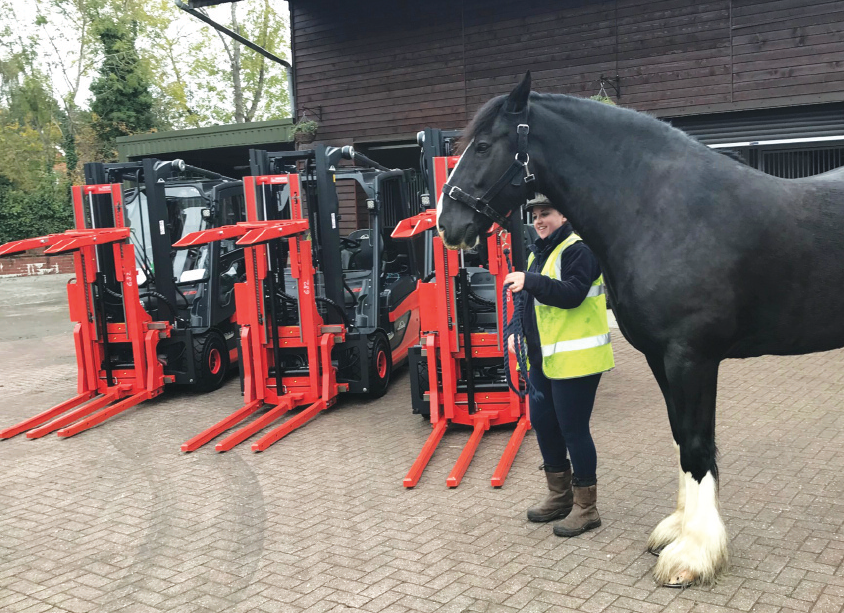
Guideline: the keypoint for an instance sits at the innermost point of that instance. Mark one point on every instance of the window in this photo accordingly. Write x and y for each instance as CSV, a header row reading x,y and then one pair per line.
x,y
232,211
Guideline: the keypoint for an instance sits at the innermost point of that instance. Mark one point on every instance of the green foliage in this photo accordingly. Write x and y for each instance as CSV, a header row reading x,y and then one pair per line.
x,y
305,126
603,98
71,154
44,209
122,103
33,201
22,155
153,66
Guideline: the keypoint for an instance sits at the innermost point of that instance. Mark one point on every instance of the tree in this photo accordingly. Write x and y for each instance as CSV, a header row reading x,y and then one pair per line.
x,y
122,103
248,86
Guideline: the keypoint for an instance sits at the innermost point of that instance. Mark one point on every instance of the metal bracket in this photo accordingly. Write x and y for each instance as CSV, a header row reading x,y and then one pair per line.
x,y
614,82
315,111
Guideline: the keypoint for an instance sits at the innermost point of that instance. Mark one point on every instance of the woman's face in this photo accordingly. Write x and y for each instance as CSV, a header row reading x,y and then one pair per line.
x,y
546,220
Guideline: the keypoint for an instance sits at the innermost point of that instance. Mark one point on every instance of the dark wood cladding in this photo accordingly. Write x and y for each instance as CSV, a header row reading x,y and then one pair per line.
x,y
381,69
384,69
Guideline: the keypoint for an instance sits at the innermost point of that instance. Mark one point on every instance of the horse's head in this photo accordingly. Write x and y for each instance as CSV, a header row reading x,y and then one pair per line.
x,y
490,180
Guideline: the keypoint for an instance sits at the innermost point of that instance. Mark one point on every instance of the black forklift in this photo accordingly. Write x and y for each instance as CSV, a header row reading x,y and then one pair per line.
x,y
362,278
321,314
476,295
192,289
145,314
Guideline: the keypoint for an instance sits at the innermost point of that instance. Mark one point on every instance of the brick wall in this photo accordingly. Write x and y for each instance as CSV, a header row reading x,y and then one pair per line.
x,y
35,263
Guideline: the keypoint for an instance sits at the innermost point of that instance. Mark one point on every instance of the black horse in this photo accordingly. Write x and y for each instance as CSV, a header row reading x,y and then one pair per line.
x,y
704,259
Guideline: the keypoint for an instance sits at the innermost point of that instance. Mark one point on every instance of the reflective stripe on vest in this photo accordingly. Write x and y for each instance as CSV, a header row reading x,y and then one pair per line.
x,y
575,342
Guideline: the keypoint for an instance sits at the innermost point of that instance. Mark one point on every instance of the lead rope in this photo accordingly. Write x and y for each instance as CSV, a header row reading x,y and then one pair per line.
x,y
514,328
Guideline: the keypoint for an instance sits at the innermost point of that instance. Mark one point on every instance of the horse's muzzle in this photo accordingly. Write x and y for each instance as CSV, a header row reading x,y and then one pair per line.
x,y
464,239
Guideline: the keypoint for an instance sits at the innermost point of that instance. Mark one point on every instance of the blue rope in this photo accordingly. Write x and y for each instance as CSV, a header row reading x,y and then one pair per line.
x,y
515,329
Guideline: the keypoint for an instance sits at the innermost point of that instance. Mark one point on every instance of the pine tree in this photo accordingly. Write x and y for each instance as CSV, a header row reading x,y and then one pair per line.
x,y
122,103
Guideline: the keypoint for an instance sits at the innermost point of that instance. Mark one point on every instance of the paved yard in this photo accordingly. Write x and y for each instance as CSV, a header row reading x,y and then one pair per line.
x,y
117,519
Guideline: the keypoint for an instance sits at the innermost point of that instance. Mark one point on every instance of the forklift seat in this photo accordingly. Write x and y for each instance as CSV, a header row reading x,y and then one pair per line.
x,y
360,257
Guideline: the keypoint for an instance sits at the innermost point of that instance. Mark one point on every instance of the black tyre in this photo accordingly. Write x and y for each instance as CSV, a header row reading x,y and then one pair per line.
x,y
211,361
380,360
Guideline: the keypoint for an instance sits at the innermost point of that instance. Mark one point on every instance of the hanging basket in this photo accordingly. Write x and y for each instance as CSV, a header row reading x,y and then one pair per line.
x,y
303,138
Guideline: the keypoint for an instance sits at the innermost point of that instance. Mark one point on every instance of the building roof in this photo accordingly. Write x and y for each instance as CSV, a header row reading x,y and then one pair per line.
x,y
231,135
222,148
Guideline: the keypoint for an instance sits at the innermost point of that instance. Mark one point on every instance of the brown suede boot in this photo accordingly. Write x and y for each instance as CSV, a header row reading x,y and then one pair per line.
x,y
559,500
584,515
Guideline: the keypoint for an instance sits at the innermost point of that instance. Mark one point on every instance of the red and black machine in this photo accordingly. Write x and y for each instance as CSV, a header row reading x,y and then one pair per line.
x,y
457,373
143,317
320,314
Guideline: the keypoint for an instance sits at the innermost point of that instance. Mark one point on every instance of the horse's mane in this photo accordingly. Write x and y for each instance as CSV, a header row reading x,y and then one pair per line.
x,y
487,114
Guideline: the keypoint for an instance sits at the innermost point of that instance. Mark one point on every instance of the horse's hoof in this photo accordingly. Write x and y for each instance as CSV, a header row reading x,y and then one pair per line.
x,y
681,580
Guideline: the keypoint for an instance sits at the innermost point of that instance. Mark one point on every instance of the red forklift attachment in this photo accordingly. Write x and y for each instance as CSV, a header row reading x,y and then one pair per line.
x,y
105,388
449,348
261,340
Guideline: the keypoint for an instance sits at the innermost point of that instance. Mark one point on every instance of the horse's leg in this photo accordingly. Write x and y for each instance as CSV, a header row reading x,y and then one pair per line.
x,y
669,529
700,551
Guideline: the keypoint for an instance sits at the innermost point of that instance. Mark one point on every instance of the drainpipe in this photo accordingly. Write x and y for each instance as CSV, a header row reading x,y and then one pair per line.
x,y
248,43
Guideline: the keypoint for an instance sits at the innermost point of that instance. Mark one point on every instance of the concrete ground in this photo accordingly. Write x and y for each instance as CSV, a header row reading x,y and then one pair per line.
x,y
117,519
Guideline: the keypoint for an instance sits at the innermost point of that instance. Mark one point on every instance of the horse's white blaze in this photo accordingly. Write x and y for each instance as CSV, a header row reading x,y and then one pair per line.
x,y
700,552
440,198
670,528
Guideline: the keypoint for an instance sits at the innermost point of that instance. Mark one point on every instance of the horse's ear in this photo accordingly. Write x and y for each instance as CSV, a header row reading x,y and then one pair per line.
x,y
518,98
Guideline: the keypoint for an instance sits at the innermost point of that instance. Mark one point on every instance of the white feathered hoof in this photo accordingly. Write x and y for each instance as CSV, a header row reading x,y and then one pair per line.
x,y
685,562
699,554
666,532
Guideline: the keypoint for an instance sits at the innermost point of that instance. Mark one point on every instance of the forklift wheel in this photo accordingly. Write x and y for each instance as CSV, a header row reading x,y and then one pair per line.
x,y
211,359
380,360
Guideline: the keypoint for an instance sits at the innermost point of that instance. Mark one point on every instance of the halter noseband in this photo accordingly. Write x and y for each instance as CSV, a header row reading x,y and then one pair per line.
x,y
520,164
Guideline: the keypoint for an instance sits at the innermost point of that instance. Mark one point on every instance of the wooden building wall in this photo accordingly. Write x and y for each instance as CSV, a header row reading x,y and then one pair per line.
x,y
382,70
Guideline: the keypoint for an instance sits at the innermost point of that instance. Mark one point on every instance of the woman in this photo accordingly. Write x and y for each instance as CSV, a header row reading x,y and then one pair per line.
x,y
568,341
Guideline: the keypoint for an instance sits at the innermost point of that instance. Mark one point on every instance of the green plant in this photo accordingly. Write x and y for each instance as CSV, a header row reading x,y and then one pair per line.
x,y
305,126
602,98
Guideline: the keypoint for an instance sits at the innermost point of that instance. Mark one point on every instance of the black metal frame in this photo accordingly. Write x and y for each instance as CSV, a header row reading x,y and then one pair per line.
x,y
153,176
322,170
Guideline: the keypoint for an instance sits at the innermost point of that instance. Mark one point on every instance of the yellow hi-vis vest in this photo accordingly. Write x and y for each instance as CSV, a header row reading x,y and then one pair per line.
x,y
575,342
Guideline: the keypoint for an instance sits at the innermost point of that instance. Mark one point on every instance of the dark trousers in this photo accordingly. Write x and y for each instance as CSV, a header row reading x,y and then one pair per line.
x,y
561,423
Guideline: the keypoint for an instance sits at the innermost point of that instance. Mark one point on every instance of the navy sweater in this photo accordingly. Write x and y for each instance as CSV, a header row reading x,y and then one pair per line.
x,y
578,270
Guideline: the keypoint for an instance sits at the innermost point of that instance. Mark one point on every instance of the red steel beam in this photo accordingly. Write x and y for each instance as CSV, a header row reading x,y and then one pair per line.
x,y
415,472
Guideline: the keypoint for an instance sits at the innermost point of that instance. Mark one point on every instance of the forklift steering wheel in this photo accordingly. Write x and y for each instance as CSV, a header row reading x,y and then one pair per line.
x,y
349,243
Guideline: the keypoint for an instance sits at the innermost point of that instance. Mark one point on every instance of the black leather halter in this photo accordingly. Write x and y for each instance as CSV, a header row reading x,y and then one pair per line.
x,y
510,176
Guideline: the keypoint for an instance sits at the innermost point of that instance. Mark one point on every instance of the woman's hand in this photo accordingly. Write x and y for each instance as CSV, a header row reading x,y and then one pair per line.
x,y
511,343
517,281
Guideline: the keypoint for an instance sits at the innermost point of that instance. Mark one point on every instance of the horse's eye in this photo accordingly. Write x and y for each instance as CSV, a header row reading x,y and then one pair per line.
x,y
482,147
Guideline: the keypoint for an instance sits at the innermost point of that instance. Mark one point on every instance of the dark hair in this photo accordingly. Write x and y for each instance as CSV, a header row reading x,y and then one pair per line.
x,y
481,121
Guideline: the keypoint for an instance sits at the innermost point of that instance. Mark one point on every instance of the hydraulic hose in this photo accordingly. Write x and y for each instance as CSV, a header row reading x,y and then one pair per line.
x,y
341,312
362,159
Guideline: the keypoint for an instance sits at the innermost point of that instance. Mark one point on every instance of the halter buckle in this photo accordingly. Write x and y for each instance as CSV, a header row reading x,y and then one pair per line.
x,y
451,190
527,159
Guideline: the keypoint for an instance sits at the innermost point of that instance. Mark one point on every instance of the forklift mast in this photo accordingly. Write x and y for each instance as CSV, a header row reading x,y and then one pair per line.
x,y
435,143
322,204
149,171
